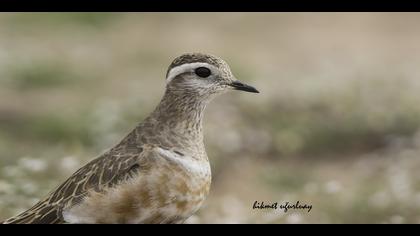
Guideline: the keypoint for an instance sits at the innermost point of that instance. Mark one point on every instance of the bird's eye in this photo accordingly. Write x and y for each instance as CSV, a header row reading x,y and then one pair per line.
x,y
203,72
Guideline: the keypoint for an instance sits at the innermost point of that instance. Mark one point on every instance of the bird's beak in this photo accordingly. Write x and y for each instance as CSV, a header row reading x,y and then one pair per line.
x,y
237,85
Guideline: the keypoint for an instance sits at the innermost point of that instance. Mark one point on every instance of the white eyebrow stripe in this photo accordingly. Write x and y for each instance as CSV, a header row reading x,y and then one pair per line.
x,y
184,68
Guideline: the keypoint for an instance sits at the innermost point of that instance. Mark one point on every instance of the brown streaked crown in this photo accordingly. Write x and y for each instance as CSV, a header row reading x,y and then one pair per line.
x,y
197,57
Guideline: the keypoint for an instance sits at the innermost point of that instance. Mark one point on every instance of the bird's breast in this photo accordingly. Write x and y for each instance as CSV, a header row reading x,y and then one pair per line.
x,y
169,188
188,182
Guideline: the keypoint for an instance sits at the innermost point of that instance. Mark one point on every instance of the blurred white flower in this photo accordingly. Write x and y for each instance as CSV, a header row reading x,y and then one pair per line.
x,y
397,219
33,164
400,182
29,188
272,216
69,163
294,218
233,210
332,186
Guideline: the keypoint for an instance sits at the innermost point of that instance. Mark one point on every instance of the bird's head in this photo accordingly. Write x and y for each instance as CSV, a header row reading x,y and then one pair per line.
x,y
202,74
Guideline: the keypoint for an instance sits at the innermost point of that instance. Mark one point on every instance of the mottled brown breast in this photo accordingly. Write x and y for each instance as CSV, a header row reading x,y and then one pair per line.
x,y
168,188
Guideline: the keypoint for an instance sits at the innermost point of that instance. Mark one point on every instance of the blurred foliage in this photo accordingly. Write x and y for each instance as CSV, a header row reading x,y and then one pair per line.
x,y
93,20
41,76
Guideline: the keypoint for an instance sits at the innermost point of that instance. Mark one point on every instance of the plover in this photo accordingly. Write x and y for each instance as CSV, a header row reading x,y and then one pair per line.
x,y
159,173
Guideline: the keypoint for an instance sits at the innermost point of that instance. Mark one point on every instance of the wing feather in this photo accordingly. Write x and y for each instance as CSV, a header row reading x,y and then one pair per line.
x,y
103,172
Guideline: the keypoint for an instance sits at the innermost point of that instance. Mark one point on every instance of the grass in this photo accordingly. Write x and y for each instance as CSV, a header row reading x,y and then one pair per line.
x,y
76,19
42,76
48,129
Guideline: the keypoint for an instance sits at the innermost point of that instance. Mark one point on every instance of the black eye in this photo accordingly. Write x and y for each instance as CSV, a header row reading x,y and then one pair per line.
x,y
203,72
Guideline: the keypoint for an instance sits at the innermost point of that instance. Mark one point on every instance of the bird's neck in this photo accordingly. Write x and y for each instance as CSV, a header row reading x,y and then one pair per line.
x,y
178,119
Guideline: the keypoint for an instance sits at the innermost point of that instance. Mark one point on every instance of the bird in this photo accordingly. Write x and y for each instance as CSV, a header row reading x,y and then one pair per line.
x,y
159,172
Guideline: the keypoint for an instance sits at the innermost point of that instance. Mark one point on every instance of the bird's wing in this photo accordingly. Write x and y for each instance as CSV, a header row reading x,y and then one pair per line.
x,y
105,171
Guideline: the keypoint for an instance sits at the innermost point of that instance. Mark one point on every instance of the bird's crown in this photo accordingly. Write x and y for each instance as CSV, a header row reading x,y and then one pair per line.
x,y
189,58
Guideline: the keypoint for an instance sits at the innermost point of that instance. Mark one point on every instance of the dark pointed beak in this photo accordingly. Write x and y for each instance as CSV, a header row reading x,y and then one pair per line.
x,y
237,85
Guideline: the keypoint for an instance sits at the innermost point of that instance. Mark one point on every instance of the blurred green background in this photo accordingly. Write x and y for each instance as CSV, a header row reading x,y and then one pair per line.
x,y
336,125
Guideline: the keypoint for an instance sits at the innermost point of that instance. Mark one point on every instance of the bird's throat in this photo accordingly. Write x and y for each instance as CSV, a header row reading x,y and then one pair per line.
x,y
180,116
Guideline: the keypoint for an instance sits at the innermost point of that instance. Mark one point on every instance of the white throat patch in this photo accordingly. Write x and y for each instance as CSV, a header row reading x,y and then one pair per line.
x,y
198,167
